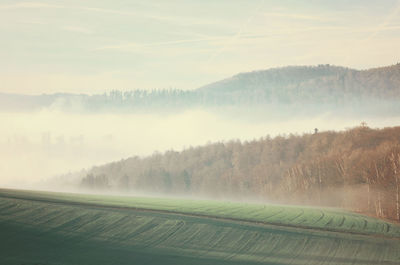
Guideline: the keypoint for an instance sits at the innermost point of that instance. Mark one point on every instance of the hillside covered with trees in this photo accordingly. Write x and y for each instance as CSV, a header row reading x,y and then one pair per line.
x,y
326,86
310,84
357,169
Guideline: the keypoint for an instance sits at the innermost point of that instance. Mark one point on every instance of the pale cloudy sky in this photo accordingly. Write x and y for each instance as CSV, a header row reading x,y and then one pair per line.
x,y
96,45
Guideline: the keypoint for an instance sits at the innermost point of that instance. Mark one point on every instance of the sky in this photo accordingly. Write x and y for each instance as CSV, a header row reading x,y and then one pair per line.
x,y
97,46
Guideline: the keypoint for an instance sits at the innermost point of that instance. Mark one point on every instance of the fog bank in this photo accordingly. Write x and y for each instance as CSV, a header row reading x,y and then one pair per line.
x,y
39,145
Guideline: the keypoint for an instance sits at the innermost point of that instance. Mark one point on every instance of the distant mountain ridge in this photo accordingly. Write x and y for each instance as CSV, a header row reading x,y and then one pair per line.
x,y
277,77
322,84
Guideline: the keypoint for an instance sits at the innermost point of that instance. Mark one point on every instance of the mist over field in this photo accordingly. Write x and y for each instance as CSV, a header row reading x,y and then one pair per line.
x,y
35,146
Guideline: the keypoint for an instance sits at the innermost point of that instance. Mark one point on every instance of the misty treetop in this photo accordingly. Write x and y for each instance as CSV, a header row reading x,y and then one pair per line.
x,y
358,169
326,86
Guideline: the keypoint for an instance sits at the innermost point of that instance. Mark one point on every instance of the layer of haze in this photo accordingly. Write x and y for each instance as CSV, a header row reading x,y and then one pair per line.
x,y
91,46
37,146
95,46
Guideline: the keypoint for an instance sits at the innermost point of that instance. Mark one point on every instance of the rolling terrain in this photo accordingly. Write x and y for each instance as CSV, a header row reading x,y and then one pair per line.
x,y
61,228
291,89
357,169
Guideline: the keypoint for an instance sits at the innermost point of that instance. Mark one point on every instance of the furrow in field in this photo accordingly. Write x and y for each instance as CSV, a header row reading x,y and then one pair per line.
x,y
168,238
285,216
168,229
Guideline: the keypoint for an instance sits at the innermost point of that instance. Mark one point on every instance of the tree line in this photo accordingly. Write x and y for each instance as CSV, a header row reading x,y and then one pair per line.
x,y
326,86
357,169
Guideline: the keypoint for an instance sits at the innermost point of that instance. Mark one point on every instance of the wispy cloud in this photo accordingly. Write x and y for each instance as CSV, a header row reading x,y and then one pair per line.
x,y
77,29
206,40
386,23
29,5
133,46
32,22
296,16
34,5
211,40
374,31
104,10
183,20
237,36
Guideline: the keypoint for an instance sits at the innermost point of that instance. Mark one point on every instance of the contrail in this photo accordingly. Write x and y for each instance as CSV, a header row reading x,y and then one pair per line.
x,y
235,37
385,22
380,27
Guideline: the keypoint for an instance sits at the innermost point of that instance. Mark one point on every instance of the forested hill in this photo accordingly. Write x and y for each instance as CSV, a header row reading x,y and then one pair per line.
x,y
358,169
323,83
293,85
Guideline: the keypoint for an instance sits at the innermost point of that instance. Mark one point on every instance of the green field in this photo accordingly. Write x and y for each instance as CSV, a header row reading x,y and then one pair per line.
x,y
60,228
